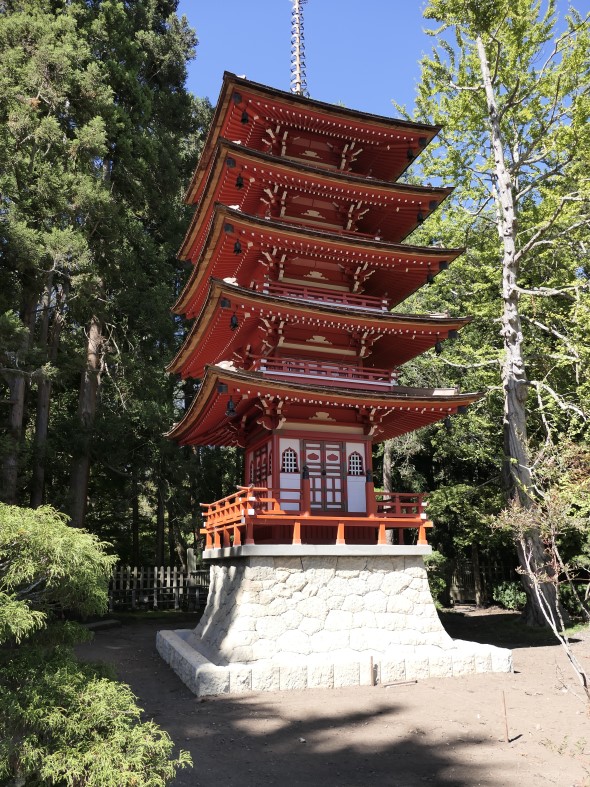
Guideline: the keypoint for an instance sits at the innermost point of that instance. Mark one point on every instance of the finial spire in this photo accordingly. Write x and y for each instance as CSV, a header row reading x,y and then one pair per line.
x,y
298,78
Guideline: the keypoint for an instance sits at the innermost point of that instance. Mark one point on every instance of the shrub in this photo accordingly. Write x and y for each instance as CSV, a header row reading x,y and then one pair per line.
x,y
62,722
436,571
509,595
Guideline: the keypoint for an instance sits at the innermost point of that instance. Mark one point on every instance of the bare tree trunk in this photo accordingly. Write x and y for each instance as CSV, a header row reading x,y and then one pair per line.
x,y
477,579
171,538
160,528
87,402
10,466
134,517
50,339
514,381
17,388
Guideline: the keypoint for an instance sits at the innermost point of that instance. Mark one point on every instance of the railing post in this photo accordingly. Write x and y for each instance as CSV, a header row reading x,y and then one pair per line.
x,y
249,531
305,492
370,495
296,533
340,534
382,535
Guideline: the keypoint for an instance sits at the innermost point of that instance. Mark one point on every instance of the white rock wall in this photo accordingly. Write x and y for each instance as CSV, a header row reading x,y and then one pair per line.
x,y
286,608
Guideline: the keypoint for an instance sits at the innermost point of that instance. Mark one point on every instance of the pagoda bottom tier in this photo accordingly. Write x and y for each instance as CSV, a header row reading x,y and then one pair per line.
x,y
319,616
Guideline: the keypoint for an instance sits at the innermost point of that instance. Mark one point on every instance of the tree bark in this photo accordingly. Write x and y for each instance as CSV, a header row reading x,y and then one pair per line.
x,y
17,388
160,527
10,466
477,579
134,517
514,381
87,403
50,340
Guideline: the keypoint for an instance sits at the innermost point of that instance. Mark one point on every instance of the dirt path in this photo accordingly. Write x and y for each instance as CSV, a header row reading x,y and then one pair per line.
x,y
440,732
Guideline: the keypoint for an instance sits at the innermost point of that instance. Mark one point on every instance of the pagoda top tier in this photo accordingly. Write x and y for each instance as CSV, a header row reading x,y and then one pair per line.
x,y
295,127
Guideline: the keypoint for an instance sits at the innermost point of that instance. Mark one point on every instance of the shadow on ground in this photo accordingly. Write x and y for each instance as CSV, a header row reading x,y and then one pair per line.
x,y
341,737
496,627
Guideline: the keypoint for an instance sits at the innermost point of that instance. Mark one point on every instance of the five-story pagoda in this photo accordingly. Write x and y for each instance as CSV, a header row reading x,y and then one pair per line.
x,y
299,264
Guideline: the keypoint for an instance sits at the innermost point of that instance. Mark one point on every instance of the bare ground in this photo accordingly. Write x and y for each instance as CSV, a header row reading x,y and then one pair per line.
x,y
448,731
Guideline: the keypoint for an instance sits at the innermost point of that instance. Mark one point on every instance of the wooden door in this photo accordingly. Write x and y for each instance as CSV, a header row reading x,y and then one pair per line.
x,y
325,462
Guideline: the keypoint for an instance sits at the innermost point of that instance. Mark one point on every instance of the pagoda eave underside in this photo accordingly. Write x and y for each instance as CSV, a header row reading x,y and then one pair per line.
x,y
393,268
213,337
269,105
389,210
274,404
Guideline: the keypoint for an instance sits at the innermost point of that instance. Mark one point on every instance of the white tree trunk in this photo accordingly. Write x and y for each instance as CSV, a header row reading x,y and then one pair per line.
x,y
514,379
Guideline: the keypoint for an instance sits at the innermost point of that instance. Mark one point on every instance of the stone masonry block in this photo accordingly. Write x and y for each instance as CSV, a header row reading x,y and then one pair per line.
x,y
346,674
392,670
441,665
292,677
265,677
240,678
212,680
338,620
501,659
320,676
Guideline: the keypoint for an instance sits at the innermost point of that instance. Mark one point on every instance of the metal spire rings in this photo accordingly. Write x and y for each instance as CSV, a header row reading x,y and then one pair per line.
x,y
298,78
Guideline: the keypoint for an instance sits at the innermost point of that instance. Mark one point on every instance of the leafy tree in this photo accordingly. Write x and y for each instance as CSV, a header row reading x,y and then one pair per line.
x,y
512,94
62,722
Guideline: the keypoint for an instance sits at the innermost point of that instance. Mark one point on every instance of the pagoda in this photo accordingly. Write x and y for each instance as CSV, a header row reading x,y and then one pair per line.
x,y
298,265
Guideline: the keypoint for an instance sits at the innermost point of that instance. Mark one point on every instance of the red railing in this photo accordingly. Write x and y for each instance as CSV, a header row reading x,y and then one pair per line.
x,y
340,297
232,520
330,373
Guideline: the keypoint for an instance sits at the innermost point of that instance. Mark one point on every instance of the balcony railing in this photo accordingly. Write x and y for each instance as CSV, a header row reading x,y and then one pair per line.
x,y
234,520
329,296
328,373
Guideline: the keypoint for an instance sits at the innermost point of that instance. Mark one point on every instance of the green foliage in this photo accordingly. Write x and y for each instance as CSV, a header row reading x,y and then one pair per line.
x,y
437,571
98,137
47,567
61,722
509,595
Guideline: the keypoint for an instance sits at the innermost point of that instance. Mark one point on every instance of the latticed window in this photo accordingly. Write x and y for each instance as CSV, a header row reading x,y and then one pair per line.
x,y
289,461
355,464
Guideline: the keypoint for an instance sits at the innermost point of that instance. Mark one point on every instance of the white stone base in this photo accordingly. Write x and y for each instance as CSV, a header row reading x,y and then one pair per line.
x,y
355,617
403,663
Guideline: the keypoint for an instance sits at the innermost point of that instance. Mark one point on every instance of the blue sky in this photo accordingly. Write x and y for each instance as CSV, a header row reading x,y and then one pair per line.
x,y
361,53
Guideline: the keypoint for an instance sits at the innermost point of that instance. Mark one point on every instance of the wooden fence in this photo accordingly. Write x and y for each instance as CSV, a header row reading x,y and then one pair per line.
x,y
157,587
462,587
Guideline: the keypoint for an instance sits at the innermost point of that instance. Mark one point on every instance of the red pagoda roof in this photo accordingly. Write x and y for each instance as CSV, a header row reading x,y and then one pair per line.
x,y
309,327
285,124
264,185
389,271
257,401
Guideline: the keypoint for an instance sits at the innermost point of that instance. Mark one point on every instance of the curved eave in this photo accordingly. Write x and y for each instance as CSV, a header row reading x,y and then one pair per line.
x,y
242,299
288,170
256,91
300,239
399,411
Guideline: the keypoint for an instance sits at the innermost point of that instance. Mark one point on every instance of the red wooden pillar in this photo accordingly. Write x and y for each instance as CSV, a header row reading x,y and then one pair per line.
x,y
370,495
305,492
